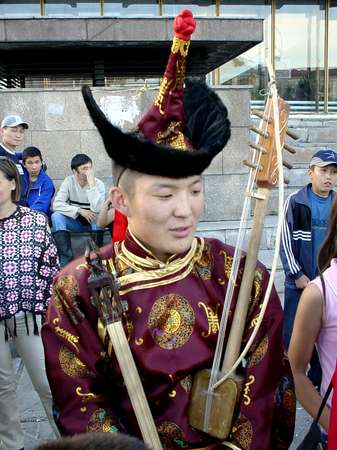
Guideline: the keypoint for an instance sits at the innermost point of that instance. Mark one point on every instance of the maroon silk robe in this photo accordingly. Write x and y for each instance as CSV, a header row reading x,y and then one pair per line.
x,y
173,323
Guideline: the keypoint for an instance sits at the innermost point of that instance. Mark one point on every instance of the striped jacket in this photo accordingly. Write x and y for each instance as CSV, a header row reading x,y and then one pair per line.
x,y
296,244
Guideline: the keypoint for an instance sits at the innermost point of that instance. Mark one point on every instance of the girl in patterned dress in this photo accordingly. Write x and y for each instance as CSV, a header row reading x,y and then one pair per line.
x,y
28,263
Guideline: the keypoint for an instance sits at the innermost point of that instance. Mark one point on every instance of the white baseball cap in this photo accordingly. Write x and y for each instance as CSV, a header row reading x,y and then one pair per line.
x,y
12,121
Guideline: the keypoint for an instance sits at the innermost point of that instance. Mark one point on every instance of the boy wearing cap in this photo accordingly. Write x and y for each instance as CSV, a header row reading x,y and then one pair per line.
x,y
306,215
173,285
12,132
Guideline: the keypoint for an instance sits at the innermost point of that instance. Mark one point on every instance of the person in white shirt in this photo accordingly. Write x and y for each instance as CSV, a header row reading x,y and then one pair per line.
x,y
76,205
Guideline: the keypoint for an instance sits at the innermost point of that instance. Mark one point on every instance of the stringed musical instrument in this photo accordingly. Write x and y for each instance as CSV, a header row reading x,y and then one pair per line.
x,y
215,393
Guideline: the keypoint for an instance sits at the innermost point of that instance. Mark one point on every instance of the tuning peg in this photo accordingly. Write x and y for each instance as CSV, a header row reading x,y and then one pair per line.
x,y
259,148
258,131
251,165
286,180
287,164
260,114
289,149
293,135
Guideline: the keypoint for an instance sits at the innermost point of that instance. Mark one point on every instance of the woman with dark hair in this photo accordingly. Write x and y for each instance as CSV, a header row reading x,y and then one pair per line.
x,y
28,263
316,325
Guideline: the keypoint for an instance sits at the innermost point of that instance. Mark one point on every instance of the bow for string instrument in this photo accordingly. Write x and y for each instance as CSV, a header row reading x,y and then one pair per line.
x,y
215,393
103,287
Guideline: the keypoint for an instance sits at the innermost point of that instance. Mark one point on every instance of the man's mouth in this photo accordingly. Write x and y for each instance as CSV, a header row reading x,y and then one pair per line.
x,y
181,232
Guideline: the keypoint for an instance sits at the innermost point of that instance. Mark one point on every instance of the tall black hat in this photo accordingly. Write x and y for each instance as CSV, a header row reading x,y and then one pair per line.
x,y
186,127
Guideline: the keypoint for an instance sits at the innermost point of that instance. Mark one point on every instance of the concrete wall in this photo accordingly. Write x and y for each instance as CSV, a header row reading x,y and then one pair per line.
x,y
60,126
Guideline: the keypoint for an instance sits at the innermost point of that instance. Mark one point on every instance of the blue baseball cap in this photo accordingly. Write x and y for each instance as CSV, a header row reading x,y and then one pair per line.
x,y
323,158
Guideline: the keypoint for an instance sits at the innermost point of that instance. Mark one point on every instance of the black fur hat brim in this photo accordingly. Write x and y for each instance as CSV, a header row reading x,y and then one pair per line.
x,y
208,129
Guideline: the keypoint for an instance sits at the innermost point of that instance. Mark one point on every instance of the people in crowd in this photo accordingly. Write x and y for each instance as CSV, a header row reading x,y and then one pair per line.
x,y
40,187
28,263
12,132
95,441
306,214
316,326
119,223
106,214
76,205
172,285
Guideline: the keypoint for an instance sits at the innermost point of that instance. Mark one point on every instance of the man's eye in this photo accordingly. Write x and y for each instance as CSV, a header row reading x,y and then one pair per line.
x,y
164,196
196,191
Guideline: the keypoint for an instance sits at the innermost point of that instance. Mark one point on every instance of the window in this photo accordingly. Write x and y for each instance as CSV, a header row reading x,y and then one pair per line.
x,y
19,8
299,53
332,101
249,68
131,8
199,8
71,8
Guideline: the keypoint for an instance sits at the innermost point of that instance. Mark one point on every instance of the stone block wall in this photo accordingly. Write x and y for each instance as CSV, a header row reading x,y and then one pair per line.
x,y
61,127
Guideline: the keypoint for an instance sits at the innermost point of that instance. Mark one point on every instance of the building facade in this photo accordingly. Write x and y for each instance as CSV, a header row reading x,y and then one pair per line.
x,y
48,48
298,38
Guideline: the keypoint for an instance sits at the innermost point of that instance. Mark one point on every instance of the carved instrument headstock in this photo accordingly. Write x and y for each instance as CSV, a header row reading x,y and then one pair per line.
x,y
103,287
265,157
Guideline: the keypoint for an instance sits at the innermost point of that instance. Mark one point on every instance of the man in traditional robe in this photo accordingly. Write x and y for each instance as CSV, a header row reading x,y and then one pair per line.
x,y
173,283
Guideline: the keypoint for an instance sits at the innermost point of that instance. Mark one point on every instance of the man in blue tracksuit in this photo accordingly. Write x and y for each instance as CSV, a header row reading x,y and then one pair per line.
x,y
40,188
306,216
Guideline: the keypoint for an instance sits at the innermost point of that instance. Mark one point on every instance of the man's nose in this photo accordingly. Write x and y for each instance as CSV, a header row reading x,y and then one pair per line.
x,y
183,206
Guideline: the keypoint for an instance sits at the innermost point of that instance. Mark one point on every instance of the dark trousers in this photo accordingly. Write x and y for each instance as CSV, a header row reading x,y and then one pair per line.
x,y
291,299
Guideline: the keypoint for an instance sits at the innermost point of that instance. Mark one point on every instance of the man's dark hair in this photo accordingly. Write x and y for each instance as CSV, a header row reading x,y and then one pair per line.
x,y
95,441
31,152
80,159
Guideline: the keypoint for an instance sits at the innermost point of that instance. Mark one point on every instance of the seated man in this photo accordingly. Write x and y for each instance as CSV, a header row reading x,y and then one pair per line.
x,y
40,188
76,205
12,132
173,285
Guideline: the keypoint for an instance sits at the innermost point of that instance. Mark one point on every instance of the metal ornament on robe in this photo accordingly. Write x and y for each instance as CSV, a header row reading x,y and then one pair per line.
x,y
105,296
215,393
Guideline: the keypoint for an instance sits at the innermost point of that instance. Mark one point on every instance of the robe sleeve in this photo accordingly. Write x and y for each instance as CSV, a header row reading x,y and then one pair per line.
x,y
76,360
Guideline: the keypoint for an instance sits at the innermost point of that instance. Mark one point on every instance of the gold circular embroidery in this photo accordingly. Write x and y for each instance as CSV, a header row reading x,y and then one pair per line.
x,y
259,353
172,394
169,432
139,310
171,321
243,432
71,364
83,409
100,420
139,341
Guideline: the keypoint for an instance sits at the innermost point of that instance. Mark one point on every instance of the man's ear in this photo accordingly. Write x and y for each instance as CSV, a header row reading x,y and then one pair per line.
x,y
119,200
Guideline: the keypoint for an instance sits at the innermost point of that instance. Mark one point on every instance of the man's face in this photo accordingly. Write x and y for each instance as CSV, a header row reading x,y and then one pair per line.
x,y
81,172
12,137
33,165
323,179
163,213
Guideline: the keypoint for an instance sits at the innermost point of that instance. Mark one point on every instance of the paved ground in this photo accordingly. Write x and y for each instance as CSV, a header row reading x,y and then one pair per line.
x,y
37,429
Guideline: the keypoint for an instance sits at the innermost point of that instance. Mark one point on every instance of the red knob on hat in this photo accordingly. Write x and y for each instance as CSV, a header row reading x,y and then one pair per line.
x,y
184,25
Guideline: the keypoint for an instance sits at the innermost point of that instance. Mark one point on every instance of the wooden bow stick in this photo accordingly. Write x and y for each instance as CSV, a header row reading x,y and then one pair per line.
x,y
215,393
104,290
